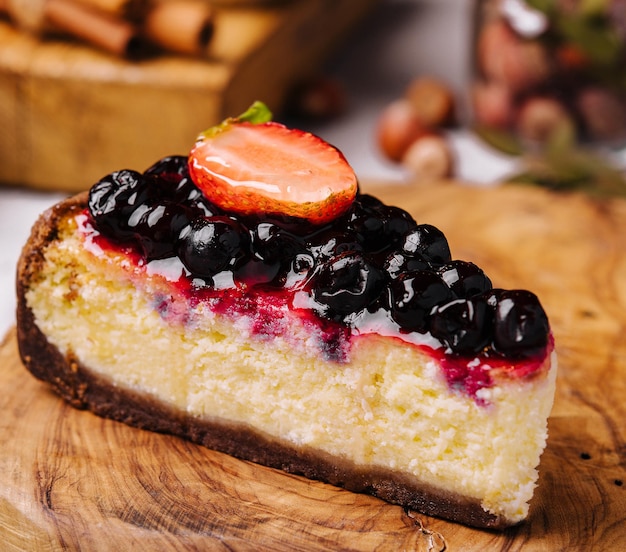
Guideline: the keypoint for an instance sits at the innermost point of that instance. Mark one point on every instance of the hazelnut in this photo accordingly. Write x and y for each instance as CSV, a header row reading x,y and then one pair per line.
x,y
398,127
433,101
429,158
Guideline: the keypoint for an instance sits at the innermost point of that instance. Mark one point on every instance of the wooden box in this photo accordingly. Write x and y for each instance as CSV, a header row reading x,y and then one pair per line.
x,y
70,114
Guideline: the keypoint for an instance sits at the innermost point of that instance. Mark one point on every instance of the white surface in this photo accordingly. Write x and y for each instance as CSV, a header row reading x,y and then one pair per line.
x,y
403,39
18,210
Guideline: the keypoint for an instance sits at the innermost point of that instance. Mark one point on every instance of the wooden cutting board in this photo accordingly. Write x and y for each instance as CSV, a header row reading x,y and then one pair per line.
x,y
73,481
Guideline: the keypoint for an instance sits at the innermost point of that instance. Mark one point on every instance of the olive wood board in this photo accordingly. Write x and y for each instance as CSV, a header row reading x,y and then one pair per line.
x,y
73,481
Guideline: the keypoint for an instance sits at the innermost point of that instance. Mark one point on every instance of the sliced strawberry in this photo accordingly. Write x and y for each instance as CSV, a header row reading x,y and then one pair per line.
x,y
251,165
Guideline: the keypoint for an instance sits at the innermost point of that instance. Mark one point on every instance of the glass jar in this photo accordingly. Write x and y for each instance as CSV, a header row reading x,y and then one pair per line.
x,y
549,69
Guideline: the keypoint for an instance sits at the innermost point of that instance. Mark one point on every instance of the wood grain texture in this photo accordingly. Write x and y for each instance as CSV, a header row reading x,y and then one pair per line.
x,y
73,481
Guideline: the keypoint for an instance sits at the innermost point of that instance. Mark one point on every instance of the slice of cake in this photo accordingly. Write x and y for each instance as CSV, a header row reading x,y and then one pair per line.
x,y
249,298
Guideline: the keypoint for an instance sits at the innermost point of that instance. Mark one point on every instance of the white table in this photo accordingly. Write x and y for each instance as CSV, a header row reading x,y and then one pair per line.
x,y
403,39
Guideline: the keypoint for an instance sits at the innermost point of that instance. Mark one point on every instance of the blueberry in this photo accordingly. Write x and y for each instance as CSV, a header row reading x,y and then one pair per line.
x,y
398,223
397,263
428,241
463,325
521,326
273,252
370,229
157,227
113,199
379,227
367,202
172,169
414,296
300,268
209,245
332,242
273,244
464,278
172,175
346,284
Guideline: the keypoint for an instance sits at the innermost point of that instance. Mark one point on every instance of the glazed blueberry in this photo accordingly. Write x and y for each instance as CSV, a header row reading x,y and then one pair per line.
x,y
397,263
463,325
332,243
414,296
273,251
300,268
346,284
370,228
172,174
367,202
157,227
464,278
378,227
113,199
172,169
271,243
521,326
211,245
398,223
428,241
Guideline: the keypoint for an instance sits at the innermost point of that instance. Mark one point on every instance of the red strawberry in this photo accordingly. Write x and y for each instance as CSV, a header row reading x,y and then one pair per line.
x,y
251,165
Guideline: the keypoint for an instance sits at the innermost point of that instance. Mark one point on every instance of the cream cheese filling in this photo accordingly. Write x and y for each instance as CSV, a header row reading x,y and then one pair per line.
x,y
390,406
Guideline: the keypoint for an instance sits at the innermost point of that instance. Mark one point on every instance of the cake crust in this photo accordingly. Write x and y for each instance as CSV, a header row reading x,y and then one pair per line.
x,y
84,389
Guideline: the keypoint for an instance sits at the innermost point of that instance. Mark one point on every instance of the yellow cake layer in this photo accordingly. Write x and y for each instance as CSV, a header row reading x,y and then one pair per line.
x,y
389,406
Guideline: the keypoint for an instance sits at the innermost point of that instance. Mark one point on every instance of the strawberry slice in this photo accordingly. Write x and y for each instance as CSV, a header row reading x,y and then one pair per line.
x,y
252,165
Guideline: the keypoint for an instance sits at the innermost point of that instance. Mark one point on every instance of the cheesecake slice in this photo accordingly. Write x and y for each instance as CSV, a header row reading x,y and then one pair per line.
x,y
349,348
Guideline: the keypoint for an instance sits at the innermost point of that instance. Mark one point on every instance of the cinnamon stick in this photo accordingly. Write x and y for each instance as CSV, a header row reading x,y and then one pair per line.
x,y
182,26
133,10
26,14
114,35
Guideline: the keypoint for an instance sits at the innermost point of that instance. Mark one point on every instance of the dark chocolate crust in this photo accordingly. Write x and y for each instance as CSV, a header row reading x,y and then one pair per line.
x,y
83,389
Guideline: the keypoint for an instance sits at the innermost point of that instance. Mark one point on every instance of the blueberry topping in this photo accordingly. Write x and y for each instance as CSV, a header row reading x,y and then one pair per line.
x,y
172,174
332,242
379,227
158,227
463,325
397,263
464,278
172,168
272,244
521,327
211,245
414,295
428,241
372,258
347,284
113,199
273,250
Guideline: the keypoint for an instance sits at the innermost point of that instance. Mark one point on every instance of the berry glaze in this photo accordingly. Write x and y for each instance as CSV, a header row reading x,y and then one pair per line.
x,y
372,270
